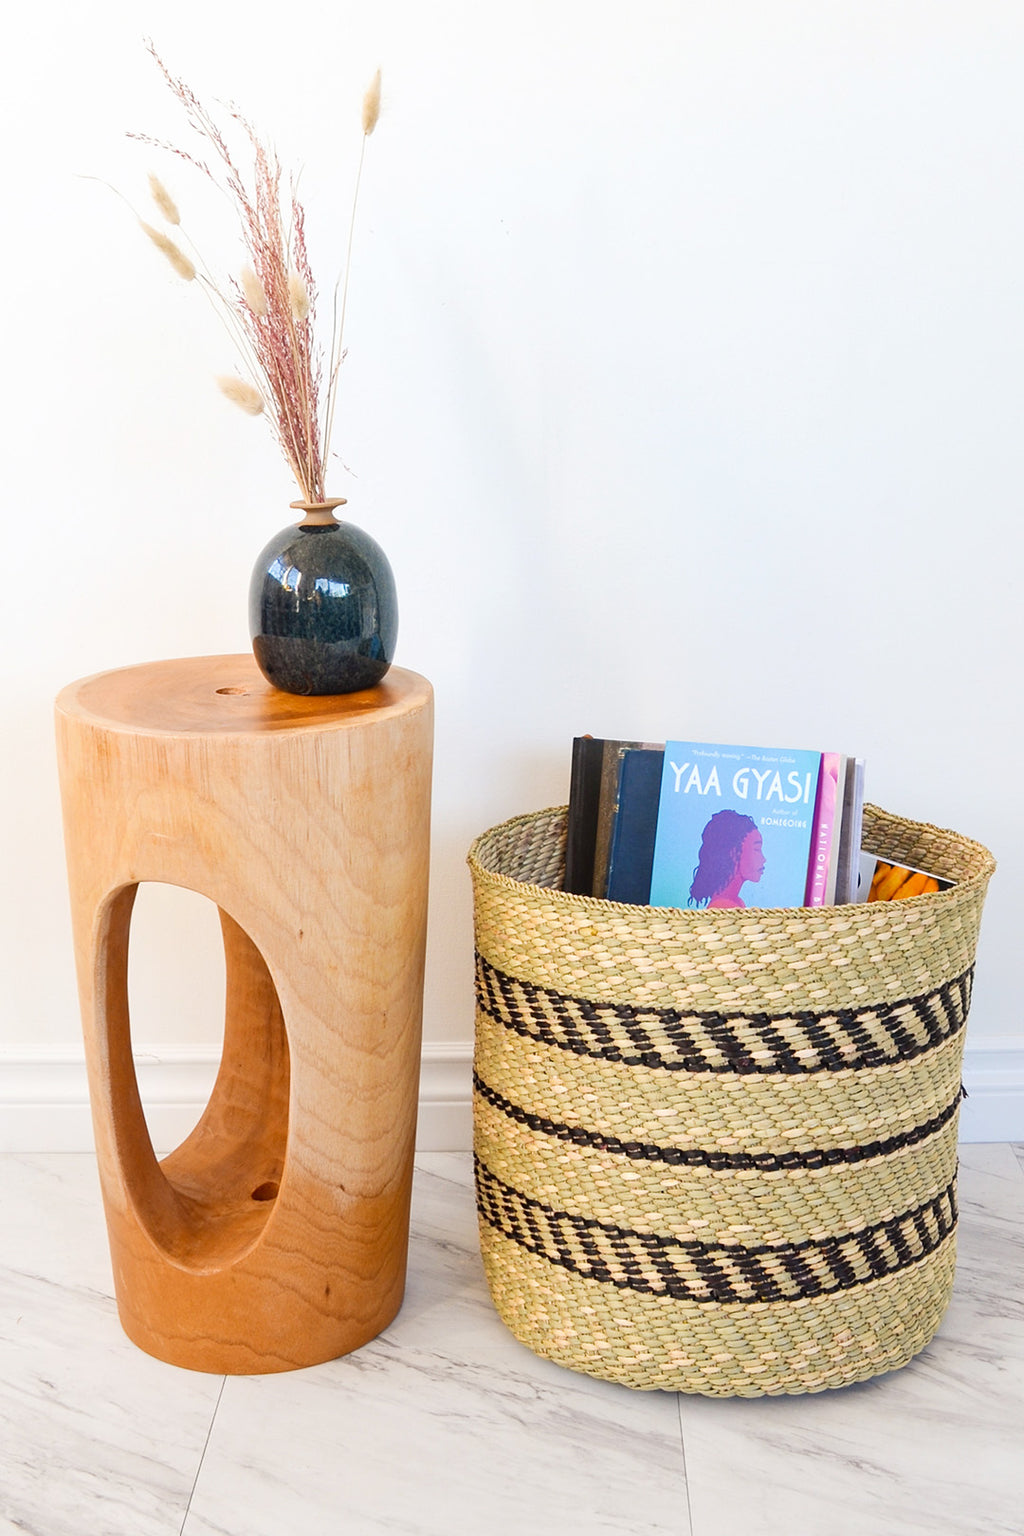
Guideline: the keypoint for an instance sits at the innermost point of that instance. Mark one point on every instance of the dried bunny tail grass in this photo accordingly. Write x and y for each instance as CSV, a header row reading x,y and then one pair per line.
x,y
298,294
244,395
255,294
163,200
371,105
177,258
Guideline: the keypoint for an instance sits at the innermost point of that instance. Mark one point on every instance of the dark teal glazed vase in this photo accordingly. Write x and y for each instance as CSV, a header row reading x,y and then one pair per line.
x,y
322,609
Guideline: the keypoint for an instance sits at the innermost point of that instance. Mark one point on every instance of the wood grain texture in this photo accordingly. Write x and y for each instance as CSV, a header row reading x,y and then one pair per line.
x,y
275,1235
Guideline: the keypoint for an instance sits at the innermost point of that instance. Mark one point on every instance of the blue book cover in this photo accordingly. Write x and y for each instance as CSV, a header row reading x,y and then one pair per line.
x,y
734,826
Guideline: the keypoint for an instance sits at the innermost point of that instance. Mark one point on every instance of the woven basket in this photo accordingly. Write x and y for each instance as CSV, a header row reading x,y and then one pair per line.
x,y
716,1151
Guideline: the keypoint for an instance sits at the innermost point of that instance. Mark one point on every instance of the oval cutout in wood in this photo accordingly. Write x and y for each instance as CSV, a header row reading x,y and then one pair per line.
x,y
176,990
197,1203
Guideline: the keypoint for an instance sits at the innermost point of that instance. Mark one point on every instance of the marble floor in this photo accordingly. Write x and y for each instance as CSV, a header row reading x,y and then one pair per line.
x,y
446,1425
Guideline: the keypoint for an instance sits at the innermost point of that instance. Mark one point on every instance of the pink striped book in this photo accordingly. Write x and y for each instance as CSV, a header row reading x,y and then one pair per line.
x,y
825,830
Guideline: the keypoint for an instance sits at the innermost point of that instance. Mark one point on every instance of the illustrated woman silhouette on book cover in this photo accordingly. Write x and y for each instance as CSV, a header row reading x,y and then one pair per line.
x,y
730,855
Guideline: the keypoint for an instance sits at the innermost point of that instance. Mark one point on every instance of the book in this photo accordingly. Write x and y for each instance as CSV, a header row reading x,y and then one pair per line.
x,y
631,855
823,861
884,881
847,875
584,797
838,831
611,757
734,826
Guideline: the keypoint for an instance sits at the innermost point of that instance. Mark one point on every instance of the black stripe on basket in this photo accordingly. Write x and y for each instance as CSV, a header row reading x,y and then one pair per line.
x,y
701,1157
684,1041
714,1272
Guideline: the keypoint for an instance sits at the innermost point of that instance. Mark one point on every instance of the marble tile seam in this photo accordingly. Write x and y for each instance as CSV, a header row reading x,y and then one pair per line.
x,y
690,1529
202,1456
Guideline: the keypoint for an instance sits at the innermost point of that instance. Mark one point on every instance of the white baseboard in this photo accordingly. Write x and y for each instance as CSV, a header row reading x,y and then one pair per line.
x,y
994,1079
44,1098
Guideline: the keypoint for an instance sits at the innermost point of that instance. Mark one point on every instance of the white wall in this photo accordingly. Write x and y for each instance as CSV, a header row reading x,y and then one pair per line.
x,y
684,390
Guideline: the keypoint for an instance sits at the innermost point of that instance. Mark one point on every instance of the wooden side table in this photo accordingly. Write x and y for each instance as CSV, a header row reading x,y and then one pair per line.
x,y
275,1236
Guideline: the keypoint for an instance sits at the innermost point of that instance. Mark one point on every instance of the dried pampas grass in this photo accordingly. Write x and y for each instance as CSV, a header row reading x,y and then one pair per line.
x,y
270,309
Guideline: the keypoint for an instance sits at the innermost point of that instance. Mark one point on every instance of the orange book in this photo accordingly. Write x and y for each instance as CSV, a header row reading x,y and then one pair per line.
x,y
881,880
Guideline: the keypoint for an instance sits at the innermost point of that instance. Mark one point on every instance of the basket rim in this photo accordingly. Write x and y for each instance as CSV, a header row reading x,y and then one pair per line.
x,y
573,900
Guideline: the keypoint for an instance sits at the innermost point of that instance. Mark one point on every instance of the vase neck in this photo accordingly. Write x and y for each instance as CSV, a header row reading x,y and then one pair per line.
x,y
319,514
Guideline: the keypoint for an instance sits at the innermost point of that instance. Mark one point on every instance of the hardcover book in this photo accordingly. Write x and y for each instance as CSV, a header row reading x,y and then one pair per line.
x,y
584,798
636,820
608,801
734,826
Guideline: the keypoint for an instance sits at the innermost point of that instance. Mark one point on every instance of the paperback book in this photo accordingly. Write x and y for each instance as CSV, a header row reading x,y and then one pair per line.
x,y
735,826
823,864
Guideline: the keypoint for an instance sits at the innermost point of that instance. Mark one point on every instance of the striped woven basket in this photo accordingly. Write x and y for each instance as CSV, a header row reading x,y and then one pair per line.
x,y
716,1151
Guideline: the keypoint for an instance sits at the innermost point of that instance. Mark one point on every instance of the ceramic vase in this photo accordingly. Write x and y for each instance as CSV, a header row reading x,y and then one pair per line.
x,y
323,615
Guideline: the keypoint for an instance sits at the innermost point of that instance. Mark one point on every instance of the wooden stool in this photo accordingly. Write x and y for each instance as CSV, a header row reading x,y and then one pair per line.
x,y
275,1236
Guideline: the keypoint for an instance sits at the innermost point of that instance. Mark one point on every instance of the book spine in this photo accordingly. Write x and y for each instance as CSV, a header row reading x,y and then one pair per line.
x,y
831,892
607,808
607,800
857,824
636,819
847,878
584,793
820,861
